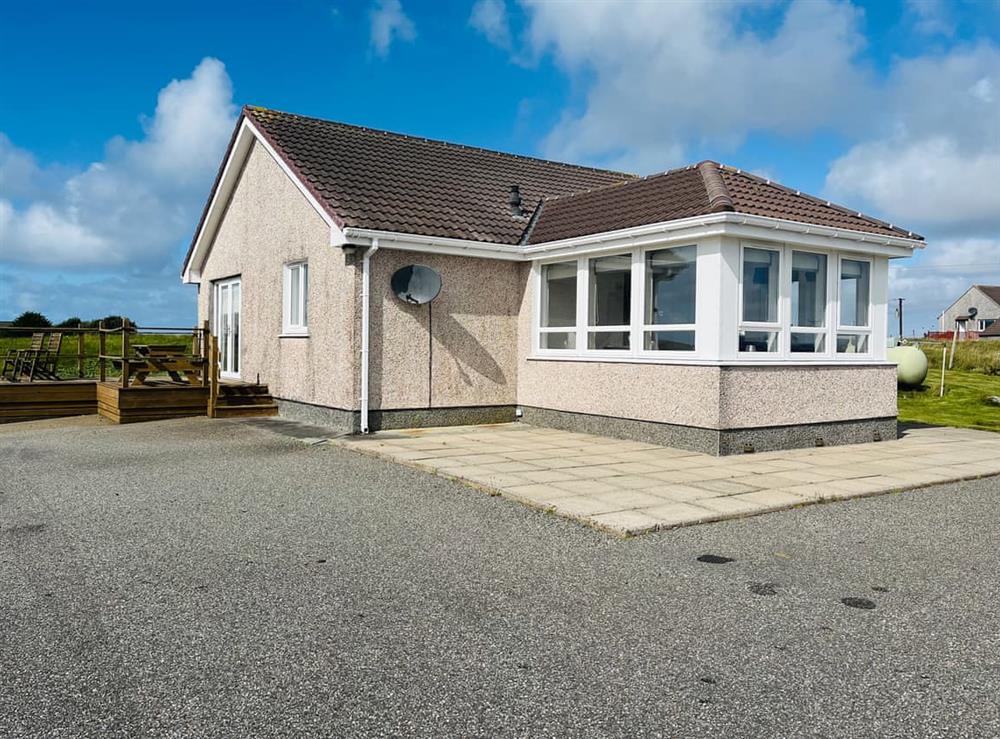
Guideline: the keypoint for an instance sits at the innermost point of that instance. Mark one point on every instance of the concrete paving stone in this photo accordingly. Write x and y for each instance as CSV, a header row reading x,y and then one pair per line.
x,y
678,493
513,467
627,523
723,487
543,496
480,458
585,487
633,468
730,506
807,475
499,481
858,486
675,476
529,456
633,482
548,476
596,472
763,481
770,498
629,498
676,514
584,506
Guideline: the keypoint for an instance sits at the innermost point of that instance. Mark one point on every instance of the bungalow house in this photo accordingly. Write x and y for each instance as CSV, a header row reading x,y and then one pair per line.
x,y
704,307
976,314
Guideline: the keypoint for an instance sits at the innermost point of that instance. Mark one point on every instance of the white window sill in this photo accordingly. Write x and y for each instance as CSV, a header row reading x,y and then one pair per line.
x,y
757,360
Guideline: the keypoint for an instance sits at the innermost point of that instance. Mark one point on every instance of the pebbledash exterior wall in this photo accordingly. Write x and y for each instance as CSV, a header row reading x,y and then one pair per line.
x,y
467,357
266,225
717,409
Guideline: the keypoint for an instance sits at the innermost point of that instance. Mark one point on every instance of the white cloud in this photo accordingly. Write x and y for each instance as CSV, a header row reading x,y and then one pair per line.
x,y
935,158
389,22
931,17
489,17
136,205
660,76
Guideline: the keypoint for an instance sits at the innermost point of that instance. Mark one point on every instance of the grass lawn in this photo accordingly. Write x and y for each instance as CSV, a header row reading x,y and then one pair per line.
x,y
964,403
67,367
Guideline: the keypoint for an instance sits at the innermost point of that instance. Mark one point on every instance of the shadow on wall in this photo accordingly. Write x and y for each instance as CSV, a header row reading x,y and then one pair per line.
x,y
465,348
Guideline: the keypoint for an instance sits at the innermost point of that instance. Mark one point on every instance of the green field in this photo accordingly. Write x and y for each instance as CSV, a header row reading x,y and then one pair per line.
x,y
68,367
974,378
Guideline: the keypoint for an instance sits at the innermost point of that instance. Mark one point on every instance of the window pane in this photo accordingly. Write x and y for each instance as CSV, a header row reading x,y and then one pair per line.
x,y
852,343
608,340
760,285
559,294
670,285
758,341
813,343
670,341
808,290
854,281
558,340
305,294
293,296
611,291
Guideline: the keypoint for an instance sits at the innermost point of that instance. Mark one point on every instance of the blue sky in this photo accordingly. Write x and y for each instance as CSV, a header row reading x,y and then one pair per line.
x,y
114,115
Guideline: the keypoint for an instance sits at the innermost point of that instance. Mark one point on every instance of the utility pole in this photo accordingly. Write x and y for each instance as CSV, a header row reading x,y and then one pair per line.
x,y
899,311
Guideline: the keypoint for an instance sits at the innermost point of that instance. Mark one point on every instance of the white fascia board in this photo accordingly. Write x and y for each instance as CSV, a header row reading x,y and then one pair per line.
x,y
434,244
731,224
248,133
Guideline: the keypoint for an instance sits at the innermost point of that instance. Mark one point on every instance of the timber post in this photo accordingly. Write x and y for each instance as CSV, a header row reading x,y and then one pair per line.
x,y
80,348
125,354
101,352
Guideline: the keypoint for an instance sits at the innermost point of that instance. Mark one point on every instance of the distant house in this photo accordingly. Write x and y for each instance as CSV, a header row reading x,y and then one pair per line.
x,y
704,307
976,314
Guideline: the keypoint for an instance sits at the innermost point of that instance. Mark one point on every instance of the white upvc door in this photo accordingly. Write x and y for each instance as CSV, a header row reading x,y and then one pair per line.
x,y
226,326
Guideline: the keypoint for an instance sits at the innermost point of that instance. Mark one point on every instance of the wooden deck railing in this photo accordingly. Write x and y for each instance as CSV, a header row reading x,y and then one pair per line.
x,y
103,352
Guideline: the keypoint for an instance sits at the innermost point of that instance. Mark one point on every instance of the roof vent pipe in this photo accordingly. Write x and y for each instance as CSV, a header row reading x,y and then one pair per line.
x,y
514,200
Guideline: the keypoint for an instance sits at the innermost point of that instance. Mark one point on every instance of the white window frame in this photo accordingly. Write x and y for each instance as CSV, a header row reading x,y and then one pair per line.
x,y
636,328
783,309
863,330
707,327
300,329
828,318
541,307
639,307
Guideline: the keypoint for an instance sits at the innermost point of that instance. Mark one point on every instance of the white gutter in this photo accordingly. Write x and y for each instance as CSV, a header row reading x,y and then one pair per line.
x,y
739,225
365,329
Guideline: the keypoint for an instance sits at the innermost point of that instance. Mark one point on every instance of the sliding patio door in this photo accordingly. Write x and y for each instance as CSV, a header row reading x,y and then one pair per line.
x,y
226,326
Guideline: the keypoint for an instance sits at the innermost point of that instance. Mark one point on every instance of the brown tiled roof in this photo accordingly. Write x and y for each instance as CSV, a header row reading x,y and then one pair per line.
x,y
697,190
992,330
391,182
366,178
990,291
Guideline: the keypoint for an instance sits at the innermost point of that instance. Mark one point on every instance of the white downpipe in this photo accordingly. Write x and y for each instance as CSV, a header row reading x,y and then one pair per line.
x,y
366,280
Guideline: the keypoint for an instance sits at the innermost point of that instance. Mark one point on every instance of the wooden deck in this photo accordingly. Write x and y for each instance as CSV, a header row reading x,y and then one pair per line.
x,y
31,401
157,400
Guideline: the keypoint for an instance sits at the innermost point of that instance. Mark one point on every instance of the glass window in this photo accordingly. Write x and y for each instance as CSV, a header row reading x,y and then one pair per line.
x,y
610,301
611,290
854,292
808,290
669,341
559,294
760,285
558,340
758,341
852,343
296,302
808,342
671,276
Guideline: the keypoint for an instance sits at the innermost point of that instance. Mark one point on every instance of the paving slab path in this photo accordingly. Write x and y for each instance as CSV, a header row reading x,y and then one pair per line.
x,y
629,487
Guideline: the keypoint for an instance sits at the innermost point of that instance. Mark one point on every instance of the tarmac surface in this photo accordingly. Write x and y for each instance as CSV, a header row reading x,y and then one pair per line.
x,y
215,578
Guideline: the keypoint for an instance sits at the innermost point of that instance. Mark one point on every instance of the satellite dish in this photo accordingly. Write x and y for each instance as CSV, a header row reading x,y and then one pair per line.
x,y
416,284
973,312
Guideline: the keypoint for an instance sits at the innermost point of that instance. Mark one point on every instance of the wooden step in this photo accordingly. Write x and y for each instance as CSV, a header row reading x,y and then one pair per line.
x,y
240,411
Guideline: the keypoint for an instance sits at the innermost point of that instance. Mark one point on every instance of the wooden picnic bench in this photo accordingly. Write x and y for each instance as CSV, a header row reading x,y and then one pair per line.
x,y
170,358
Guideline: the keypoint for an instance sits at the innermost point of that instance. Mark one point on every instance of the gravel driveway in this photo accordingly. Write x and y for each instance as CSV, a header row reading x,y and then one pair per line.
x,y
212,578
